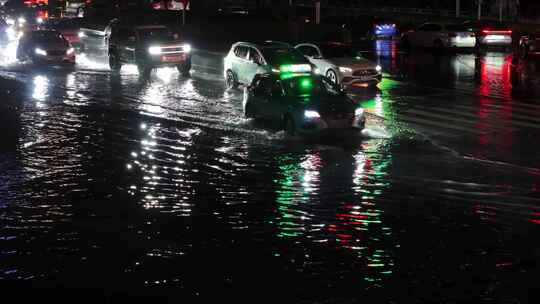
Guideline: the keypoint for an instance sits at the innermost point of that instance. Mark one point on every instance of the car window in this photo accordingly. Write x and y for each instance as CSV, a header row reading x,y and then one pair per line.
x,y
241,52
255,56
158,34
308,51
263,87
48,37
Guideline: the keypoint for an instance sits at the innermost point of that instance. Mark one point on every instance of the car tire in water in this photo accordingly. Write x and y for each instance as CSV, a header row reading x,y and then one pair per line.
x,y
331,74
289,126
114,63
230,80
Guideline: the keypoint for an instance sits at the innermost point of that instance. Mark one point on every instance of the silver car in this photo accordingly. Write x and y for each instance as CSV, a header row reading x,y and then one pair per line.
x,y
245,60
341,64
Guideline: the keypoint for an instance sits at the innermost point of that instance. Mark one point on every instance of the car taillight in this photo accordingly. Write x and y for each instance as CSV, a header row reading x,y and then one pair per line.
x,y
489,32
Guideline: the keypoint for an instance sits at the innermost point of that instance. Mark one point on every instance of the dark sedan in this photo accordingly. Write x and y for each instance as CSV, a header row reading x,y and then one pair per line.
x,y
302,103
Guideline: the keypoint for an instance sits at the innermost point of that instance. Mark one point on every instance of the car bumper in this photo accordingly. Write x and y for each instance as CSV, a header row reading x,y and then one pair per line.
x,y
332,125
55,59
495,40
361,81
169,60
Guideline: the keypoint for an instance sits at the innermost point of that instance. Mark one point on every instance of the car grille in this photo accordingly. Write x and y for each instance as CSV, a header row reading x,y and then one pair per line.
x,y
367,72
172,49
56,53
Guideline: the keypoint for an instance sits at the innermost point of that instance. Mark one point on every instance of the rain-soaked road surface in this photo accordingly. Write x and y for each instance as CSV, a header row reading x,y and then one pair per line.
x,y
115,187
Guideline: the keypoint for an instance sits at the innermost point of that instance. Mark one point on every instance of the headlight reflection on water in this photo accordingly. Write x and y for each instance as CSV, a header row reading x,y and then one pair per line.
x,y
41,86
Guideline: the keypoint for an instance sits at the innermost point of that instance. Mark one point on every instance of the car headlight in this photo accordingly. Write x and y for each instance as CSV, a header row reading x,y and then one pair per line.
x,y
359,112
82,35
311,114
186,48
10,21
378,68
154,50
41,52
317,71
21,20
39,20
70,51
345,70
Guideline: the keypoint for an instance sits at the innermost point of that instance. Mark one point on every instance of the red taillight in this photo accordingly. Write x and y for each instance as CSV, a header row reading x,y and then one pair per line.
x,y
28,3
488,32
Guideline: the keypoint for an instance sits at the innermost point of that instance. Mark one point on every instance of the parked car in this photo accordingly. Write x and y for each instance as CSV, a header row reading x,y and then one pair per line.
x,y
302,103
439,36
148,47
341,63
45,46
529,45
245,60
490,33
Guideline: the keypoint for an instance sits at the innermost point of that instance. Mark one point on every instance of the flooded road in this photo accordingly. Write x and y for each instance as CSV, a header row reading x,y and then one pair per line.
x,y
158,187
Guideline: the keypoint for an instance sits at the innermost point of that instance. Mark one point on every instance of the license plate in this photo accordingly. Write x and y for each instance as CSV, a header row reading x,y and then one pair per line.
x,y
175,58
497,37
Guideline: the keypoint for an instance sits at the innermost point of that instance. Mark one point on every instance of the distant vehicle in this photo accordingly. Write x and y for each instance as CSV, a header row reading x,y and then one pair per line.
x,y
245,60
4,33
341,64
490,33
171,5
302,103
45,46
68,27
383,28
439,36
148,47
75,8
23,18
529,45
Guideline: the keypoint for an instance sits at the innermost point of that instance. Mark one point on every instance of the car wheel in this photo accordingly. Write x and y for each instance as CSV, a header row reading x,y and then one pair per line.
x,y
114,63
230,80
248,110
290,127
184,69
330,74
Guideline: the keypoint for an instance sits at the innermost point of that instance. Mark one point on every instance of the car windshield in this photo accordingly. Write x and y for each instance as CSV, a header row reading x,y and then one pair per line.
x,y
159,34
66,24
48,37
339,51
280,56
309,86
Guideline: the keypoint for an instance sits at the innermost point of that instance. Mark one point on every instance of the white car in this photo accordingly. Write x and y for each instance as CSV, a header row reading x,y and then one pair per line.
x,y
245,60
341,64
439,36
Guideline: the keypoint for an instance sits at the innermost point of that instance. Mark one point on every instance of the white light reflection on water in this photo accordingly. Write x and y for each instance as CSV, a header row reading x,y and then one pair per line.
x,y
41,85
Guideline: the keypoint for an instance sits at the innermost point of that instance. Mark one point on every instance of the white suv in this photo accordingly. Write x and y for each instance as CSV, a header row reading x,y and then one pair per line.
x,y
245,60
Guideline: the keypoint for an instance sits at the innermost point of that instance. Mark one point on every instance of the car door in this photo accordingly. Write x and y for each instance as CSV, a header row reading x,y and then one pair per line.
x,y
279,103
262,88
239,61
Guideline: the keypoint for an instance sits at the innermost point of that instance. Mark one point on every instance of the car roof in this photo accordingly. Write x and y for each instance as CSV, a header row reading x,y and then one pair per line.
x,y
265,44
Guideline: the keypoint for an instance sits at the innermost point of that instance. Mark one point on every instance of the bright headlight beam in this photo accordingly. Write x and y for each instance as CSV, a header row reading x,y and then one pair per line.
x,y
41,52
70,51
358,112
186,48
378,68
311,114
154,50
345,70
